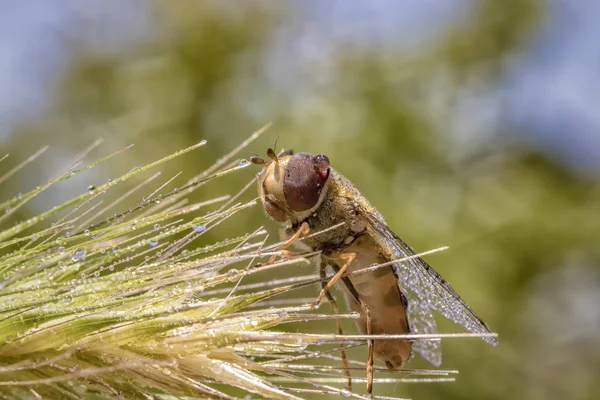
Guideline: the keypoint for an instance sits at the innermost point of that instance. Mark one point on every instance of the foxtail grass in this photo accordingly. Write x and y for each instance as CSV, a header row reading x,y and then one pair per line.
x,y
126,307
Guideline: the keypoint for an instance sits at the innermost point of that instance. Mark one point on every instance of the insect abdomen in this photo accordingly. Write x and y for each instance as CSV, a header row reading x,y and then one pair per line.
x,y
379,291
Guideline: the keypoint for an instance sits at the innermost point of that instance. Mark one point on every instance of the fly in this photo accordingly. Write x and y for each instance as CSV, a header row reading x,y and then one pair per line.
x,y
303,192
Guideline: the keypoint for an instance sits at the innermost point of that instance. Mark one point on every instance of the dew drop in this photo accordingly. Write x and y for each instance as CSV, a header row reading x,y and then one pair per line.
x,y
199,228
61,249
153,243
233,274
86,232
345,392
79,253
216,368
244,163
156,227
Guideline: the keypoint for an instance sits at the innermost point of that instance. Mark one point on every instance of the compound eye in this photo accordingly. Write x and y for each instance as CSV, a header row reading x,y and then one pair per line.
x,y
305,177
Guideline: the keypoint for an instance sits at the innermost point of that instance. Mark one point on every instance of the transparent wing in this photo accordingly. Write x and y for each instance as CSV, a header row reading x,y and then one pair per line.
x,y
422,283
421,321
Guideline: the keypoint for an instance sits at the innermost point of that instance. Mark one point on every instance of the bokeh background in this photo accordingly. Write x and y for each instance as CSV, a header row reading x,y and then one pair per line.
x,y
472,124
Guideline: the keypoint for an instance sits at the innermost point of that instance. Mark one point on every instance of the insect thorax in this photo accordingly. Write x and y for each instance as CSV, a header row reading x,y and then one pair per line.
x,y
333,210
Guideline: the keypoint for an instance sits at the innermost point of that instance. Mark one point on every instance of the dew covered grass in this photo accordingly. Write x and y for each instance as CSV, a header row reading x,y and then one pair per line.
x,y
126,306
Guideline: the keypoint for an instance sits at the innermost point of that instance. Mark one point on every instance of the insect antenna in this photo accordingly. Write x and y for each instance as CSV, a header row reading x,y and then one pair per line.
x,y
276,140
272,155
255,159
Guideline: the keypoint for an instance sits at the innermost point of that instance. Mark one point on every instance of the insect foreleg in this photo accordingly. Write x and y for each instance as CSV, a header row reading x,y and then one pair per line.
x,y
302,231
336,309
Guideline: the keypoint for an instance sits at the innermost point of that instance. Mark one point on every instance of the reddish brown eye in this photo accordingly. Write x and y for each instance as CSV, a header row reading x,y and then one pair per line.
x,y
305,176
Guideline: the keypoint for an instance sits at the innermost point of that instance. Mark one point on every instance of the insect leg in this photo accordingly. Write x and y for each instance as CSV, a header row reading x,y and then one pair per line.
x,y
348,258
336,309
367,313
302,231
369,349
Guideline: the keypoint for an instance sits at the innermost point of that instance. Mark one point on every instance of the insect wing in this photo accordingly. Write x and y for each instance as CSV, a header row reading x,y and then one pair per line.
x,y
421,321
421,283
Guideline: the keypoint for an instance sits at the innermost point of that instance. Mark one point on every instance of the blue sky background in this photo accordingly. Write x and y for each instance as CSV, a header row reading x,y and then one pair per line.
x,y
550,90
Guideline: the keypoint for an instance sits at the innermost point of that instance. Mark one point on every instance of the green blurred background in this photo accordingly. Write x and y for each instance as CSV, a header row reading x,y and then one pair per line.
x,y
467,123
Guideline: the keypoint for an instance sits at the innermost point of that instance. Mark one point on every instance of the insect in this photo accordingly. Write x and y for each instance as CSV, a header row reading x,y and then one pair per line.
x,y
303,192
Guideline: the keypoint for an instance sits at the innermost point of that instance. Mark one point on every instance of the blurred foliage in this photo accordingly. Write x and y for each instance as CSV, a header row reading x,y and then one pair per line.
x,y
513,217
